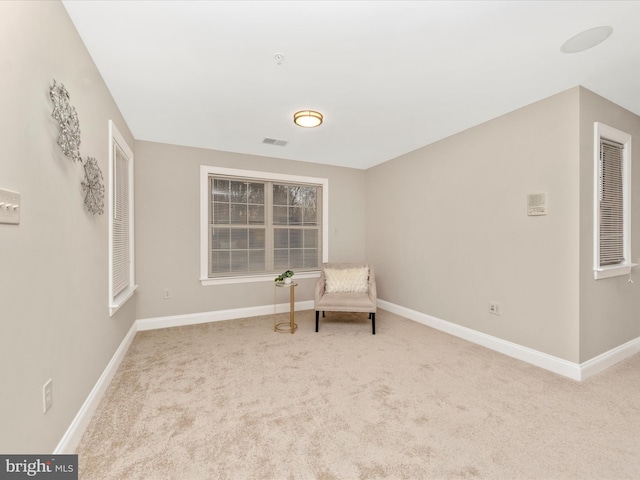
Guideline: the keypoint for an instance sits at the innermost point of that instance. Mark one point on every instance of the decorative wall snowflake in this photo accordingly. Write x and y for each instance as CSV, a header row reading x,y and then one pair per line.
x,y
68,124
93,187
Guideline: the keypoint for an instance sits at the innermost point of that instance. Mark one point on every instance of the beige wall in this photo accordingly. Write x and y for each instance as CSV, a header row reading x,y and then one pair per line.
x,y
445,226
54,320
448,230
168,230
609,308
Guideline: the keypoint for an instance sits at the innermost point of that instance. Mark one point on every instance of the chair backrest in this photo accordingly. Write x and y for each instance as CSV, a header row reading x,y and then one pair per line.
x,y
355,277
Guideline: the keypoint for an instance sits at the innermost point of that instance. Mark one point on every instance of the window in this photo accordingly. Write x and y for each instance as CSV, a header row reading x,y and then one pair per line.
x,y
256,225
121,258
612,219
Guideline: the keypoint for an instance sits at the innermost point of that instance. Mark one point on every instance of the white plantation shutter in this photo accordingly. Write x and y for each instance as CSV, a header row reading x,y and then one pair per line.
x,y
121,259
611,202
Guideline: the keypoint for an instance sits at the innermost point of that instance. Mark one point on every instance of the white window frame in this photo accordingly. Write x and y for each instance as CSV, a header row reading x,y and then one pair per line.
x,y
624,268
205,172
118,299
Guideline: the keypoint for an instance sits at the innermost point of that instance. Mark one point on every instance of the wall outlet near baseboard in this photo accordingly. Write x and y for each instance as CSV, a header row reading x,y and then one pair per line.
x,y
495,308
167,294
47,395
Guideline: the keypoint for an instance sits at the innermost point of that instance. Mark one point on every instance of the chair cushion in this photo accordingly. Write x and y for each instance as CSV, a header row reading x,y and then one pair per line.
x,y
345,302
346,280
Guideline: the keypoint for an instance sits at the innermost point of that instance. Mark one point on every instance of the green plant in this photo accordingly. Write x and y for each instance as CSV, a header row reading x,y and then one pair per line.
x,y
283,275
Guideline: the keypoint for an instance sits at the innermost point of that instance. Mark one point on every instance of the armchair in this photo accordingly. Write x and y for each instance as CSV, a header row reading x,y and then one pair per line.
x,y
346,287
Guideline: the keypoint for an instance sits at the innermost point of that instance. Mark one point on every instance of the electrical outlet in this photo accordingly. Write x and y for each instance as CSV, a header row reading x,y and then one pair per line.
x,y
495,308
167,294
47,395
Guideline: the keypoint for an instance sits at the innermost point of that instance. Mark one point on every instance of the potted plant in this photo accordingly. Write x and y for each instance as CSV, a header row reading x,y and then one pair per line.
x,y
285,277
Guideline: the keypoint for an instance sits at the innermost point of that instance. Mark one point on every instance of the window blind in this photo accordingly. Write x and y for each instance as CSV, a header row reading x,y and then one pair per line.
x,y
121,261
259,226
611,202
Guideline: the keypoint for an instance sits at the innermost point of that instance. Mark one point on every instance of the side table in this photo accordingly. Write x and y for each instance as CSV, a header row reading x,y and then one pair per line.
x,y
290,326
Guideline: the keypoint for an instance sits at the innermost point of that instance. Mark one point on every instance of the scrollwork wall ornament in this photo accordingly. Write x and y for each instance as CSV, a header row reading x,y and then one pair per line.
x,y
93,187
69,141
68,124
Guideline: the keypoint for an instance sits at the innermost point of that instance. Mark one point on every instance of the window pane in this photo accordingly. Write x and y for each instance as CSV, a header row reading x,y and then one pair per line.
x,y
296,258
310,238
221,190
295,215
611,222
238,214
310,195
220,213
310,216
256,215
220,262
256,193
296,196
239,238
239,261
281,238
238,192
281,259
220,240
295,238
280,215
256,261
310,258
280,195
256,238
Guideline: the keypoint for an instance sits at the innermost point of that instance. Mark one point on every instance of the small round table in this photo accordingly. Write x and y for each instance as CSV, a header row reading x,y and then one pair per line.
x,y
290,326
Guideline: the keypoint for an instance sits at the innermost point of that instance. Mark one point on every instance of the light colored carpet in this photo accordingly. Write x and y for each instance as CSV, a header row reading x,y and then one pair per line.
x,y
234,400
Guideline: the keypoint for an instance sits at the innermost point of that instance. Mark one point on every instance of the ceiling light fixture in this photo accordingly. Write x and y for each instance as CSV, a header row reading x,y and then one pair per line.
x,y
587,39
307,118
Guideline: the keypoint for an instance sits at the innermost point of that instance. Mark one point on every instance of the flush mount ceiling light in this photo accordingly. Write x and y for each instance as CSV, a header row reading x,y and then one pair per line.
x,y
587,39
307,118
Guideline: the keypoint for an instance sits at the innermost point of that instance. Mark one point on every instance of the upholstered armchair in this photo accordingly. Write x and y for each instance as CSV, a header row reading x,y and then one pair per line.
x,y
346,287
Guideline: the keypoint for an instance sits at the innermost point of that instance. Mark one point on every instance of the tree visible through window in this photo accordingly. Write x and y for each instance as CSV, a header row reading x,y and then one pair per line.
x,y
263,226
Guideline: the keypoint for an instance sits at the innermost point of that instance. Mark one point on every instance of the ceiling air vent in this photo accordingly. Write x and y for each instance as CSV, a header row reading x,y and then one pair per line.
x,y
273,141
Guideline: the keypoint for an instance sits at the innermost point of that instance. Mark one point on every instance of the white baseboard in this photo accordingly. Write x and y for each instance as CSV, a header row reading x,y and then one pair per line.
x,y
217,316
557,365
72,436
71,439
608,359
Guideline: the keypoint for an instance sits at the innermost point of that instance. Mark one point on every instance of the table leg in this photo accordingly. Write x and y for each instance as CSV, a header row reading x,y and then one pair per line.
x,y
291,308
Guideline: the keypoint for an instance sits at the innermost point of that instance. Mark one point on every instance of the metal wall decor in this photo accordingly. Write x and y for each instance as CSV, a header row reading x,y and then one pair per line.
x,y
93,187
69,141
68,124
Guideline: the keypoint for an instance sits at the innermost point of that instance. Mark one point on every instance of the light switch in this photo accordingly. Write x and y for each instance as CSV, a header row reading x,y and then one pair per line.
x,y
9,207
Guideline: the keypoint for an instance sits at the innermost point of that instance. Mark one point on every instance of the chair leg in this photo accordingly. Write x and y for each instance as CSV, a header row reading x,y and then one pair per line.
x,y
373,322
317,315
322,313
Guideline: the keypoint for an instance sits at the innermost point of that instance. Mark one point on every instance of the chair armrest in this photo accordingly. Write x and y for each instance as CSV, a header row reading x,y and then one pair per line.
x,y
319,288
373,293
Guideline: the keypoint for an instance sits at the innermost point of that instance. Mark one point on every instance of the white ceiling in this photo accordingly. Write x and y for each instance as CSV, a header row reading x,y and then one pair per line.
x,y
389,77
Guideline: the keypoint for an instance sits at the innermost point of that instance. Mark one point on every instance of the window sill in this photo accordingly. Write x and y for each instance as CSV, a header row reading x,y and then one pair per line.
x,y
614,271
254,278
121,299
